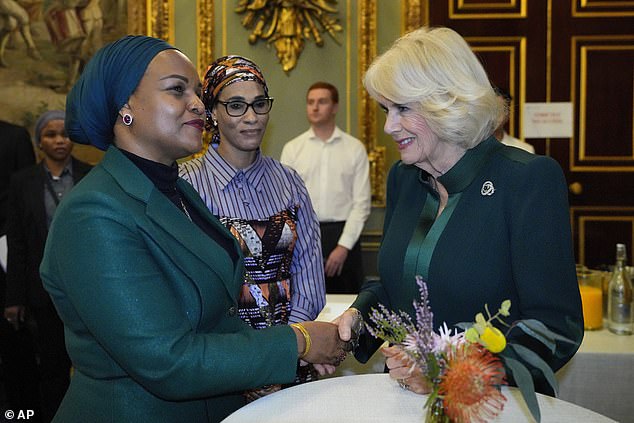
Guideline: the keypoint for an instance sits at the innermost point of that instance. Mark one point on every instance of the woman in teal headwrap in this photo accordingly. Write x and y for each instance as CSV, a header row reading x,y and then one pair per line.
x,y
145,279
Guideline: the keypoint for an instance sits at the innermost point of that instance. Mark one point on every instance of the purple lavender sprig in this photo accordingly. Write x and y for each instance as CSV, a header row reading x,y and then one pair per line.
x,y
418,340
424,334
420,343
389,326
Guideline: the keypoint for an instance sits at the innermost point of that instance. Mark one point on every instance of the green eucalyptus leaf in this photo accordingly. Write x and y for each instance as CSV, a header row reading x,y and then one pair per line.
x,y
464,325
535,360
525,384
505,307
539,331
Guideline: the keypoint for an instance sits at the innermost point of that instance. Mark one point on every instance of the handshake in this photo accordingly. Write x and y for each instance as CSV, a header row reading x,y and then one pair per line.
x,y
326,345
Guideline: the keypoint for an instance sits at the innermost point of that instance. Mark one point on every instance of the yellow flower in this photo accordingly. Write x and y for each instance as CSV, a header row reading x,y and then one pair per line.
x,y
493,339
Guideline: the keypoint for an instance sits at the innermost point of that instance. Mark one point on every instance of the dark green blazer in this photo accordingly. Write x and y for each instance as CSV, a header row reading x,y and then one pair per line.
x,y
149,304
510,242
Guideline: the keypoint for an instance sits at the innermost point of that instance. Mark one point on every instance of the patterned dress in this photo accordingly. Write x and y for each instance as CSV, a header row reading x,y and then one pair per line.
x,y
265,299
267,246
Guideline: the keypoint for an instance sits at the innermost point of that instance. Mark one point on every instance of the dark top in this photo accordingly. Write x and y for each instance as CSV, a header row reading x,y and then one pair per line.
x,y
164,178
27,230
508,237
16,152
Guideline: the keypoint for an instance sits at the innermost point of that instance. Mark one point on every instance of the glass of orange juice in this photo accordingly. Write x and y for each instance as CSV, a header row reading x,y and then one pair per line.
x,y
591,298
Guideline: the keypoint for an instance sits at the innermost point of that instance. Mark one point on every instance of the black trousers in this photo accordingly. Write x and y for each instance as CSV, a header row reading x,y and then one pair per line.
x,y
55,364
351,278
18,370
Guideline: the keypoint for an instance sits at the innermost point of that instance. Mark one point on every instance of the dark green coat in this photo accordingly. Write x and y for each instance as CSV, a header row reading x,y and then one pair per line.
x,y
149,306
513,244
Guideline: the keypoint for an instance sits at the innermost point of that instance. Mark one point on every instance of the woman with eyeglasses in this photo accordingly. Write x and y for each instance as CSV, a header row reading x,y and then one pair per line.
x,y
264,204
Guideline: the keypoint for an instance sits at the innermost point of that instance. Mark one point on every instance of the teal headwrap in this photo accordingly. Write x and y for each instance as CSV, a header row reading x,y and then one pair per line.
x,y
105,85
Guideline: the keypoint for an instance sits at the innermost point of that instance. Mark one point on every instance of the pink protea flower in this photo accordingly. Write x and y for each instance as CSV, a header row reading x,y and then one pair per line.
x,y
470,384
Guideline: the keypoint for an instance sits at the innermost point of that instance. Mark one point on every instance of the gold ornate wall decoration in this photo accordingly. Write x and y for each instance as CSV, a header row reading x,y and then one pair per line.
x,y
367,107
415,14
152,17
156,18
136,17
287,23
205,35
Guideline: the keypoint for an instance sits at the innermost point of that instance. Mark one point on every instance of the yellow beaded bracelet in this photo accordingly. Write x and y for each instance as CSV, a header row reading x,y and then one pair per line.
x,y
307,341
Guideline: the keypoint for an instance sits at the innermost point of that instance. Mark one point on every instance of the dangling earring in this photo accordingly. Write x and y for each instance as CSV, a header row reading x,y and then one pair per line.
x,y
127,119
214,122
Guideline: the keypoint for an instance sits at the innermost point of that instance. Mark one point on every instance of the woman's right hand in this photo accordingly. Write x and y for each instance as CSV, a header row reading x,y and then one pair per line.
x,y
404,369
349,323
326,346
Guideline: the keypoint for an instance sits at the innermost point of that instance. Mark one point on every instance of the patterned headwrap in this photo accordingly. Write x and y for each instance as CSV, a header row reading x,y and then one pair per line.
x,y
224,72
105,85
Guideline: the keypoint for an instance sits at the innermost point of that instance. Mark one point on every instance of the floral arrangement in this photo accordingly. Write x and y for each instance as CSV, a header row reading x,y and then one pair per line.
x,y
466,370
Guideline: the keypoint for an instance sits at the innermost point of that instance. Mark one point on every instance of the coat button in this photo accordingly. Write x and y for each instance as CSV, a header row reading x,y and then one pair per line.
x,y
232,311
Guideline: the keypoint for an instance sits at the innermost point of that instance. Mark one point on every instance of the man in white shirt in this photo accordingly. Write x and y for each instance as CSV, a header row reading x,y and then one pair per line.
x,y
334,166
500,133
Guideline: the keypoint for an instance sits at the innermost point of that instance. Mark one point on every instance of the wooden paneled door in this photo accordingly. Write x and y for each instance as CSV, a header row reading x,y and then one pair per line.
x,y
579,51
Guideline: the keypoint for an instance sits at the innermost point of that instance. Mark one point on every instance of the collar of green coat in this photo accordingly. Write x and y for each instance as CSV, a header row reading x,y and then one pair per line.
x,y
173,221
460,176
127,175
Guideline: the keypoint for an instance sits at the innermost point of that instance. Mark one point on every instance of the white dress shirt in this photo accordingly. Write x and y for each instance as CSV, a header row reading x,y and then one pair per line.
x,y
336,174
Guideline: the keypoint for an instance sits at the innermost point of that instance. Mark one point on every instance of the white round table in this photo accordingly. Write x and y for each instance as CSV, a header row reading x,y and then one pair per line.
x,y
377,398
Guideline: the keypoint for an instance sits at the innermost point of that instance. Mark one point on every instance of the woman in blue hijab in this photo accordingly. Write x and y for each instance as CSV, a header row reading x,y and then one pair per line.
x,y
145,279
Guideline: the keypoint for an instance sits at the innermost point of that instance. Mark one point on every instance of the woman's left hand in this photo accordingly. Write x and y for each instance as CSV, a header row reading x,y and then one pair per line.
x,y
405,370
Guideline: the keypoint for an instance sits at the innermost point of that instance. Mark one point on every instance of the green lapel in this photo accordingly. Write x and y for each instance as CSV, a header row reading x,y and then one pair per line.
x,y
175,223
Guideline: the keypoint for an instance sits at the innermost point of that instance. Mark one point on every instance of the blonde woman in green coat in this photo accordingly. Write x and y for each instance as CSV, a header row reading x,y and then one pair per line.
x,y
481,222
144,278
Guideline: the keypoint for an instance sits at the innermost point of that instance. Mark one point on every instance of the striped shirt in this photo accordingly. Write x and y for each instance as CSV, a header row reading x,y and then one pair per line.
x,y
262,190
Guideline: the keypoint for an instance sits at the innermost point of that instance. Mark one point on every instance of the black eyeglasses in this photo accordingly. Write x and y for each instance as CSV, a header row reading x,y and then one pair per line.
x,y
237,108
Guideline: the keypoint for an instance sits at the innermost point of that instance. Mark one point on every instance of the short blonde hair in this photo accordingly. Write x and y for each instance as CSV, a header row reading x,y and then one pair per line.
x,y
436,68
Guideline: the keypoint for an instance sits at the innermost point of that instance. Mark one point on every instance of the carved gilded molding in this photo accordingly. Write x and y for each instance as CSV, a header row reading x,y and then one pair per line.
x,y
367,108
156,18
151,17
137,17
205,35
415,14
